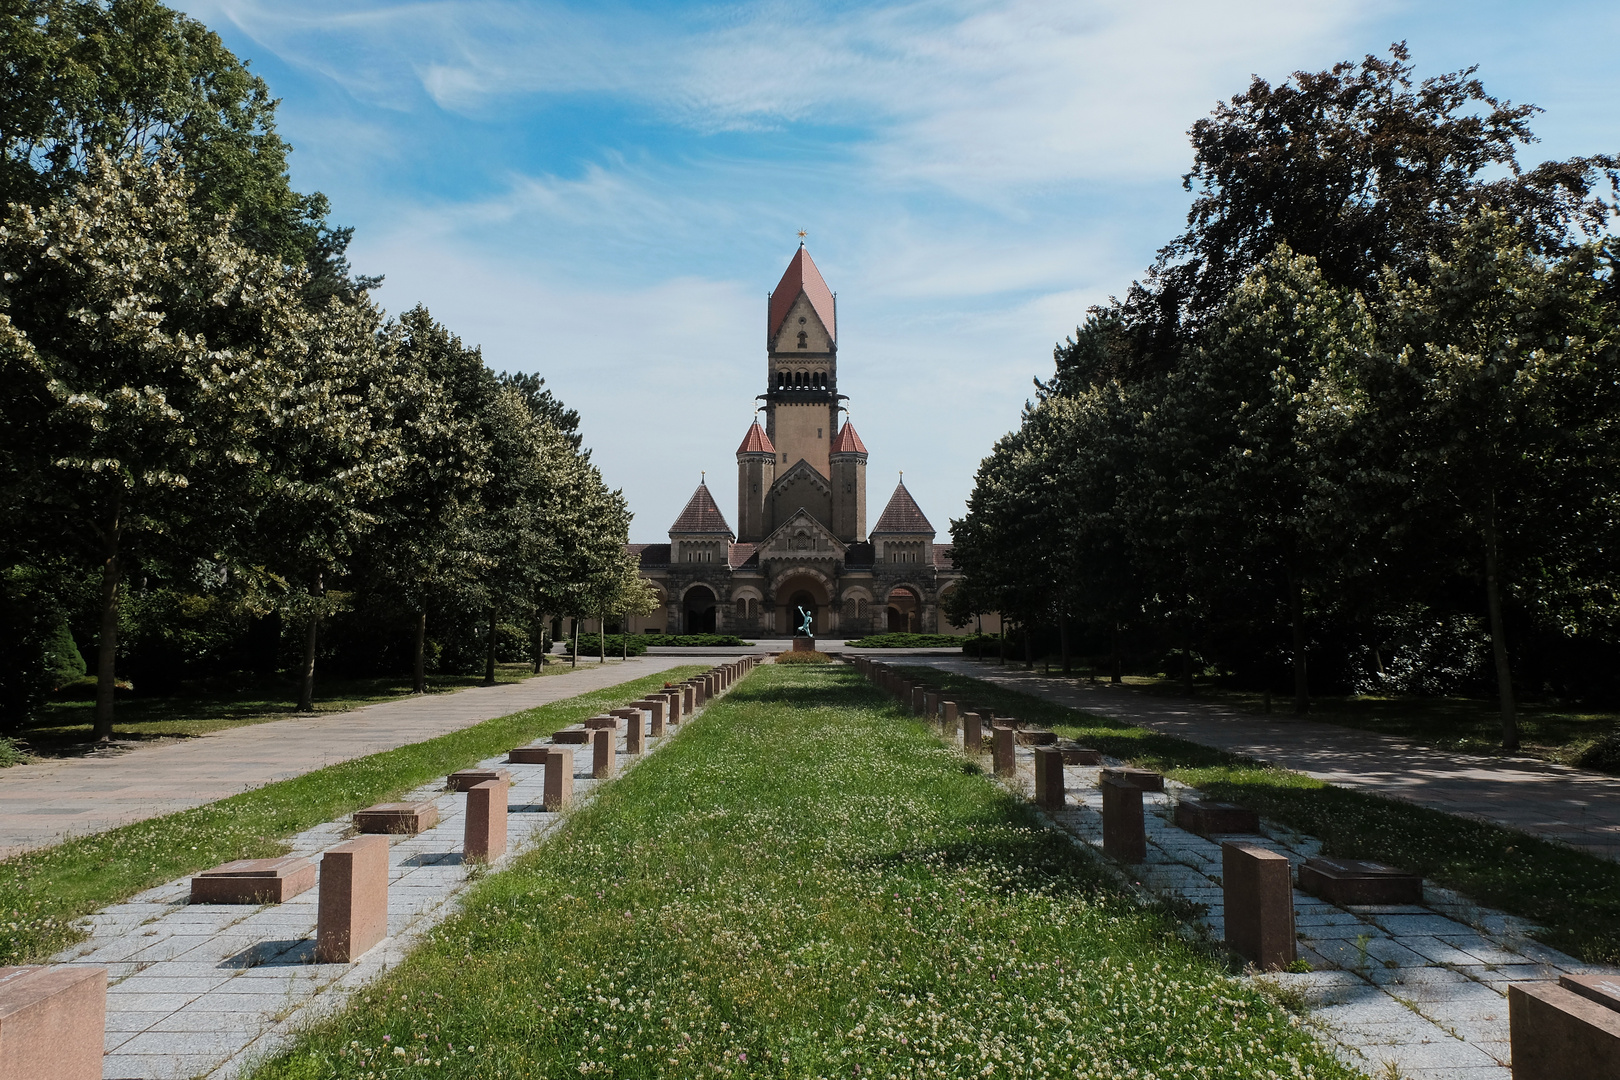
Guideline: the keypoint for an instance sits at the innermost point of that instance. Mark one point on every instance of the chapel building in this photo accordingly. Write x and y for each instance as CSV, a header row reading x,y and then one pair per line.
x,y
801,537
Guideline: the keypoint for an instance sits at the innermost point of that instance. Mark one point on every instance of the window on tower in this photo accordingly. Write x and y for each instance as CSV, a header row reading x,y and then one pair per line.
x,y
804,340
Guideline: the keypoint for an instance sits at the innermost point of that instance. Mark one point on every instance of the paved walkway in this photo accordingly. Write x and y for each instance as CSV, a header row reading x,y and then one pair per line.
x,y
209,990
45,803
1553,801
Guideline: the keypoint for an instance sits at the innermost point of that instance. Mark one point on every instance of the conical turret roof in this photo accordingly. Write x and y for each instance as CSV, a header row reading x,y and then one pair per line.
x,y
756,441
902,515
801,276
848,441
701,515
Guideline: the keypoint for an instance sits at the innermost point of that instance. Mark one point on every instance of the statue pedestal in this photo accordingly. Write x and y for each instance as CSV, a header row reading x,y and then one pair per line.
x,y
804,644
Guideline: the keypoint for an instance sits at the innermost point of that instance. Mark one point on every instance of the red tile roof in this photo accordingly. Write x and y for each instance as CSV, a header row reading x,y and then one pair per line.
x,y
801,276
756,441
848,441
701,515
740,554
902,515
942,559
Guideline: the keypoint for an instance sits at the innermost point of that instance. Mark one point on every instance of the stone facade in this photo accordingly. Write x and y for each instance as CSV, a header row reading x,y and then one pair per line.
x,y
801,538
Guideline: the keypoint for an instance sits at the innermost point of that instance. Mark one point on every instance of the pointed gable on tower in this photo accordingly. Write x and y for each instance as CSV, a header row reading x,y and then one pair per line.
x,y
848,441
801,279
702,515
902,515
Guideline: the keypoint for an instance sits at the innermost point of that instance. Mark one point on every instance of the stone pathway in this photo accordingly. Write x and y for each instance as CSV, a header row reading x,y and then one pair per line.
x,y
1415,992
1554,801
208,990
44,803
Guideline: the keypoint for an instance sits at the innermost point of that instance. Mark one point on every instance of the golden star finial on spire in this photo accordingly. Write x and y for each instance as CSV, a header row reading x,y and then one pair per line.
x,y
802,235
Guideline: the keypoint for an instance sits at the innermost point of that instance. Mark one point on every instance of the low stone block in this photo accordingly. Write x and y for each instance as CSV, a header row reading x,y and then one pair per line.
x,y
1049,777
688,700
53,1022
972,732
574,735
635,734
397,818
1003,750
1354,881
1209,818
948,716
1558,1034
527,755
603,723
485,836
353,913
1036,737
1603,989
655,709
1124,828
918,700
466,778
604,754
253,881
1258,892
931,705
559,778
699,696
1081,755
1146,779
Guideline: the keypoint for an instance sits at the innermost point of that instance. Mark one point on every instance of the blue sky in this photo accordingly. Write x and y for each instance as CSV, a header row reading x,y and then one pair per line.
x,y
604,192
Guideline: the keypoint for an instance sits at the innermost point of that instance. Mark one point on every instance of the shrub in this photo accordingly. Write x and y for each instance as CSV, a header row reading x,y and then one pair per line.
x,y
693,641
808,656
592,645
907,641
1602,755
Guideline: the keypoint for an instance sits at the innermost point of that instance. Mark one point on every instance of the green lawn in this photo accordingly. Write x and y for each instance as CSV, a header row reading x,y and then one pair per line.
x,y
805,884
1574,895
43,892
65,726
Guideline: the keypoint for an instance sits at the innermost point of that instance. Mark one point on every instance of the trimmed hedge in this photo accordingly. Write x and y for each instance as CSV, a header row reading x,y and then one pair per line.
x,y
908,641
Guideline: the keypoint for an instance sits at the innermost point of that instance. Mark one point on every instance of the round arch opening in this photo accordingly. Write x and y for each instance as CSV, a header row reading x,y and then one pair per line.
x,y
700,606
905,611
801,591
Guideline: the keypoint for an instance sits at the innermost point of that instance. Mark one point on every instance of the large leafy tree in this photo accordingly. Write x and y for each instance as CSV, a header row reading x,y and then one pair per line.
x,y
142,347
132,78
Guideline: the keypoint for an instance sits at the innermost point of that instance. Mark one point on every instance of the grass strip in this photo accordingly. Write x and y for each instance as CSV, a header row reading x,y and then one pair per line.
x,y
806,883
44,892
1573,894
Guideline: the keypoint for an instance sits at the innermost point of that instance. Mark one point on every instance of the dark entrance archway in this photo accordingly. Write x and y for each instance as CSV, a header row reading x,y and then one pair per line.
x,y
802,599
904,611
700,608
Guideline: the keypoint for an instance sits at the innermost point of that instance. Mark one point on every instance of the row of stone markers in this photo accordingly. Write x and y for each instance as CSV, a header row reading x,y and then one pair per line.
x,y
1404,976
203,976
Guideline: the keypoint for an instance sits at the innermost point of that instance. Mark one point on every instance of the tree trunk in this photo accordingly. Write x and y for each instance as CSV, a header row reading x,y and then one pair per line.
x,y
1063,642
112,572
1186,654
601,638
489,651
419,659
1001,645
306,682
1029,649
624,635
1117,668
1493,600
574,659
539,643
1296,616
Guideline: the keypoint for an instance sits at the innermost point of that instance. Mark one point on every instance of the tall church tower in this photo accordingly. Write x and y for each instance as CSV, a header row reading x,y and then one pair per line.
x,y
801,392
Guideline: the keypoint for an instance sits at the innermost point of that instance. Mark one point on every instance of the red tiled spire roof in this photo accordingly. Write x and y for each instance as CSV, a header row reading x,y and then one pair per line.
x,y
756,441
701,515
902,515
801,276
848,441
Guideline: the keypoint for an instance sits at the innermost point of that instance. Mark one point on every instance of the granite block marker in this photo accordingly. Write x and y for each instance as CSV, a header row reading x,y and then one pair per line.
x,y
604,751
1049,777
484,838
1124,827
559,778
397,818
1258,892
1558,1034
353,913
53,1020
253,881
1004,750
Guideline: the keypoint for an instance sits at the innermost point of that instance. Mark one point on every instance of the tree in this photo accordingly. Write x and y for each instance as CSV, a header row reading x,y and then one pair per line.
x,y
129,78
141,346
